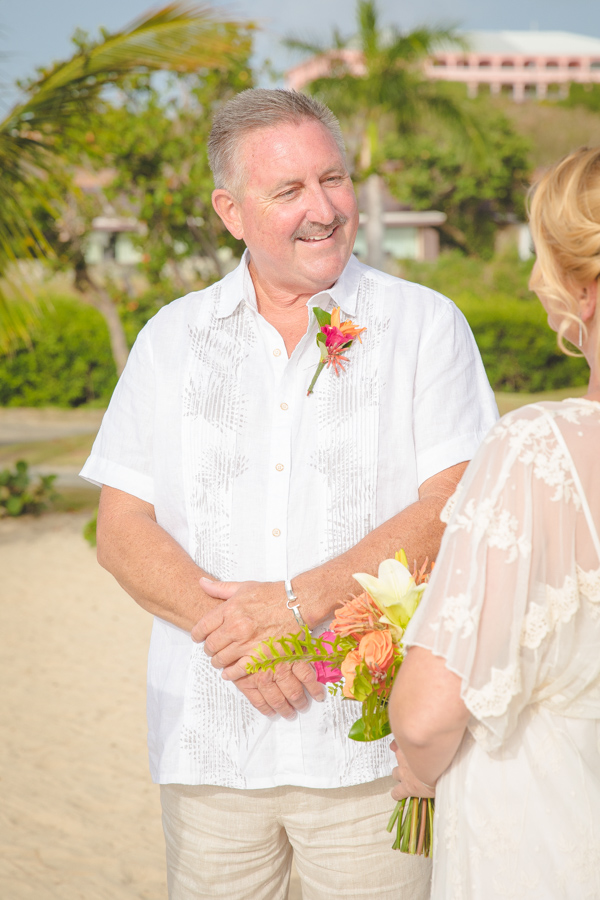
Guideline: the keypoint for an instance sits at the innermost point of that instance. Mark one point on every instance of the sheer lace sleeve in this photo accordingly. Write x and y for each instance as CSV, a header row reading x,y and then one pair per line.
x,y
504,603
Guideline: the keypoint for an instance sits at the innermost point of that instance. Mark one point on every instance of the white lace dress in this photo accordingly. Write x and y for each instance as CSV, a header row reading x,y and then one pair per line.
x,y
514,608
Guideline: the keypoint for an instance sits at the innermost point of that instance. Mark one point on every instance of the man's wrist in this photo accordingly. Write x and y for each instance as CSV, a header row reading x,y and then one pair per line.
x,y
293,604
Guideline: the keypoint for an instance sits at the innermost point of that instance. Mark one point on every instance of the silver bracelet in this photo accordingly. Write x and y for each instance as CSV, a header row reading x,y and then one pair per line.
x,y
291,597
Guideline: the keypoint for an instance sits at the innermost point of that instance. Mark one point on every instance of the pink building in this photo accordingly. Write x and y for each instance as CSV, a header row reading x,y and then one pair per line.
x,y
524,63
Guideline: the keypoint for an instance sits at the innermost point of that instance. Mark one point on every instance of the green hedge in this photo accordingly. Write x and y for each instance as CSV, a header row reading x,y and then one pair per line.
x,y
519,350
70,363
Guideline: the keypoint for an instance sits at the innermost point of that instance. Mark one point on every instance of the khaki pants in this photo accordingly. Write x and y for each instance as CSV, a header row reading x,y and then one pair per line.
x,y
239,844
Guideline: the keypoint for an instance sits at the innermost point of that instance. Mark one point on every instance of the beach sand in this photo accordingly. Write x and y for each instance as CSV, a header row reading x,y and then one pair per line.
x,y
79,818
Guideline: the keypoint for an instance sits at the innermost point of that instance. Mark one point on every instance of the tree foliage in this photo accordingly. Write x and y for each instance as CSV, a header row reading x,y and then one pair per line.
x,y
477,193
181,37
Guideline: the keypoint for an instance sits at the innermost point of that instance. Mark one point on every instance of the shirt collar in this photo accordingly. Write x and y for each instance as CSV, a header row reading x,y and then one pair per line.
x,y
237,287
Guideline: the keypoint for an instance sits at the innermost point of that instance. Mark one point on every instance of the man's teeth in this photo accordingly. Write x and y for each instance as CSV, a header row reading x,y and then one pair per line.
x,y
320,238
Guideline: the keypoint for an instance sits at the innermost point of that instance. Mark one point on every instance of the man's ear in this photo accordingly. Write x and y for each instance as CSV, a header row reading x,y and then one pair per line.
x,y
227,210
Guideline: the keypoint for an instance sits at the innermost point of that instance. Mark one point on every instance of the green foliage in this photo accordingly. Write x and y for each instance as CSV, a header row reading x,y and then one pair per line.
x,y
292,647
181,36
19,495
69,363
89,530
586,95
519,350
476,191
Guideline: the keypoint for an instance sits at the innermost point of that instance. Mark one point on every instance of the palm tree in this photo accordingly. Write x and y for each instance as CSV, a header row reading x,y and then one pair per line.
x,y
383,85
182,37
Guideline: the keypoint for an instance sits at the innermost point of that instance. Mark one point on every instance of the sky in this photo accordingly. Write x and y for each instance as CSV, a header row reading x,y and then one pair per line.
x,y
37,32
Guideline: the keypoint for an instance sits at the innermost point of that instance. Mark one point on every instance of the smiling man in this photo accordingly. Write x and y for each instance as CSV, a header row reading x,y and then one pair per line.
x,y
235,507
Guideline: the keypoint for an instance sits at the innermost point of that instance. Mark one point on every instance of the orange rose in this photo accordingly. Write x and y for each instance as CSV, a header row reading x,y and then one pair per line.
x,y
348,667
377,650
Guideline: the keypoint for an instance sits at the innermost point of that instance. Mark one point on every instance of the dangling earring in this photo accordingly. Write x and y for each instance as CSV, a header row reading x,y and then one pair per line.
x,y
580,333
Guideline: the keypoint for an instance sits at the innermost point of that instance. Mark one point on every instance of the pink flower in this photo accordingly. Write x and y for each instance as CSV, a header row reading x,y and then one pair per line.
x,y
326,672
335,337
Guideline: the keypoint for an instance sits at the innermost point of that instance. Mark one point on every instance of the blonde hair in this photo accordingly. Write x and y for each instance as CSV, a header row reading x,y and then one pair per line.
x,y
564,215
251,110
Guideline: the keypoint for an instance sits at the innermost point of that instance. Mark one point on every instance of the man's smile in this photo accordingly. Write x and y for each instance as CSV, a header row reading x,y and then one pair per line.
x,y
318,237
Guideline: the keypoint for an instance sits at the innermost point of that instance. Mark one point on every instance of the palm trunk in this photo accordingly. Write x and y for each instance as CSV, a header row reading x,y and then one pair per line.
x,y
96,296
375,228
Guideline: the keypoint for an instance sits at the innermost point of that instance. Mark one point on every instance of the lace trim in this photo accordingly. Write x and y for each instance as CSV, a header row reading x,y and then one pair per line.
x,y
499,525
535,444
560,606
456,613
450,506
589,584
494,697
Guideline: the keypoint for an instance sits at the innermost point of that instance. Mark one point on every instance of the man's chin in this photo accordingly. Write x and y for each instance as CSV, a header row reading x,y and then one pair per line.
x,y
325,265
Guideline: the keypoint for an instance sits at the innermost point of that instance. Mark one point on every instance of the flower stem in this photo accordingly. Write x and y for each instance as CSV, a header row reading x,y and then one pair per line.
x,y
316,375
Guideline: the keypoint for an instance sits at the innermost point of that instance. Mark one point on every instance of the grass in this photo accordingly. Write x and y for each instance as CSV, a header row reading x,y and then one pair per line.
x,y
69,451
507,402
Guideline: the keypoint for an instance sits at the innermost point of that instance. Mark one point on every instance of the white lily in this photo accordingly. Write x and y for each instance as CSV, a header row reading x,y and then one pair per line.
x,y
394,591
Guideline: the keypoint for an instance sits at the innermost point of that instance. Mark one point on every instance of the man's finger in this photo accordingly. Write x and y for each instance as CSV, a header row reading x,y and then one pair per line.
x,y
305,672
291,688
220,590
207,624
237,671
254,696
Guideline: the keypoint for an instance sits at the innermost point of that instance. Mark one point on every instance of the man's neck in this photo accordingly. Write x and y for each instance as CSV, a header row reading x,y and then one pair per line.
x,y
283,309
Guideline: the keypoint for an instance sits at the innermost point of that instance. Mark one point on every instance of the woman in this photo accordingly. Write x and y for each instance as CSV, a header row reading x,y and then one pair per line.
x,y
500,690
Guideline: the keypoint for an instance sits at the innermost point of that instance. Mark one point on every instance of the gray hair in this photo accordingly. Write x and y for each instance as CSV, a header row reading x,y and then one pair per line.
x,y
259,108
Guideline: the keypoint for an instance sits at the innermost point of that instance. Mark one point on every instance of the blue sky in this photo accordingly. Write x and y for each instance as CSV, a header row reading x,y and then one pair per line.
x,y
36,32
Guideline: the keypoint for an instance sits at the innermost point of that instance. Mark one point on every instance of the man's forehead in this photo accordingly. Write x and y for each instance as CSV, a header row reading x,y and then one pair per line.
x,y
291,152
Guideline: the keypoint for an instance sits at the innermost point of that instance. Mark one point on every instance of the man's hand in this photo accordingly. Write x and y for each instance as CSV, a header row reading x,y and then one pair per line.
x,y
231,631
282,691
408,783
254,611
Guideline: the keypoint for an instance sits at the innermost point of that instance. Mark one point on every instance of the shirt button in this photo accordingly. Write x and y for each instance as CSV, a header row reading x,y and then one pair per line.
x,y
276,532
279,467
276,352
284,406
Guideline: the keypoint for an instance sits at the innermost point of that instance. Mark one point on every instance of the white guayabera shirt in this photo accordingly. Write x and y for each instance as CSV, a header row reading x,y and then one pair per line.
x,y
211,423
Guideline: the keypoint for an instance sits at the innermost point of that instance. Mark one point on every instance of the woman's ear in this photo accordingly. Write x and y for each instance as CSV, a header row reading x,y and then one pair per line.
x,y
226,207
588,300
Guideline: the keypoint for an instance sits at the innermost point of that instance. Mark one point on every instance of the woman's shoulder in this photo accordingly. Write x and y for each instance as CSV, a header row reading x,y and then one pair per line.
x,y
534,419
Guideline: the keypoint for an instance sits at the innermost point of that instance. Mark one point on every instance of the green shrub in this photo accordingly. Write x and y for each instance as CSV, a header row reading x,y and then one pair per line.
x,y
69,364
518,349
18,495
89,529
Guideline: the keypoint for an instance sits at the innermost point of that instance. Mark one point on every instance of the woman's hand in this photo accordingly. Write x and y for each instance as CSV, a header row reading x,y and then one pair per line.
x,y
408,783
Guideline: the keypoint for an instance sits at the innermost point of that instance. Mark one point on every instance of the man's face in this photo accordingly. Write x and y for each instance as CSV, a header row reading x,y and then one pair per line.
x,y
298,215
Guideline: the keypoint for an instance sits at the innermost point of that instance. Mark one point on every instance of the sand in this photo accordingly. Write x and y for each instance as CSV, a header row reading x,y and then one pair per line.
x,y
79,817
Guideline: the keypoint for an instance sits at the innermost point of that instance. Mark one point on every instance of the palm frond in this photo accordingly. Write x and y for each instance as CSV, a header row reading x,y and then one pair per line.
x,y
182,37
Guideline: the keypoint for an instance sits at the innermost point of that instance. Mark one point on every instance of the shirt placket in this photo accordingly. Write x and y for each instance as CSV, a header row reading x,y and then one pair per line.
x,y
278,463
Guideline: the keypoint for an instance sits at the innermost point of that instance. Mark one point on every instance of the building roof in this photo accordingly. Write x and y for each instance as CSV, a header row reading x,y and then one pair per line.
x,y
533,43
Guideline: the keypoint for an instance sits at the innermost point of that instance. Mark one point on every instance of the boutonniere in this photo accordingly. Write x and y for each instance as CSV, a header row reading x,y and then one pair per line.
x,y
333,339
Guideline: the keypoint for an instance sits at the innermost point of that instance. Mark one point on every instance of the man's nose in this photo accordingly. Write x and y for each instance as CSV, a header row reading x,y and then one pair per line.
x,y
319,207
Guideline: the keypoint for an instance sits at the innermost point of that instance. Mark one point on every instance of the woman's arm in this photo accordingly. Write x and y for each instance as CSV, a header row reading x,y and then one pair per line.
x,y
427,715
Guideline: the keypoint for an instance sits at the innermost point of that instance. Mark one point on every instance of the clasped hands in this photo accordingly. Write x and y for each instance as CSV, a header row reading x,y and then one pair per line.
x,y
253,612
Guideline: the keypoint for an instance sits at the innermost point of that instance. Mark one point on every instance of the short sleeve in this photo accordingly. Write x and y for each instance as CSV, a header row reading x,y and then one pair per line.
x,y
122,455
454,405
502,601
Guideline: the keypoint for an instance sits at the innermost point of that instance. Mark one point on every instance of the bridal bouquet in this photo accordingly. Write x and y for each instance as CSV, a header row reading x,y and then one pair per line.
x,y
360,656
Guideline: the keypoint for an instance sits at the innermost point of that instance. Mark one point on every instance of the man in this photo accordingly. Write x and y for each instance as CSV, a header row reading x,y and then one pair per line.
x,y
235,507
